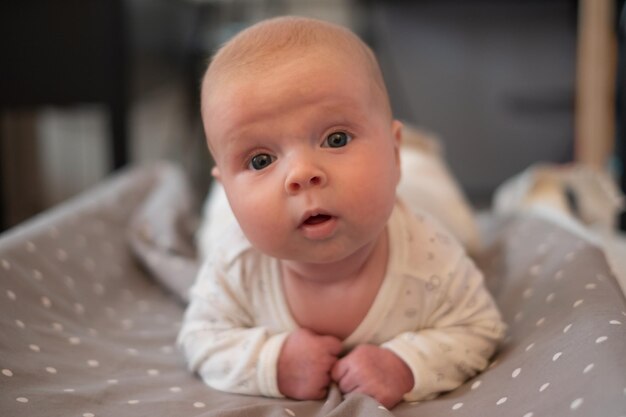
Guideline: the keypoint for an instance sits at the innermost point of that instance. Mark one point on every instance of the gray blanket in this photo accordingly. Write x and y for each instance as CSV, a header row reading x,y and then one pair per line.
x,y
92,294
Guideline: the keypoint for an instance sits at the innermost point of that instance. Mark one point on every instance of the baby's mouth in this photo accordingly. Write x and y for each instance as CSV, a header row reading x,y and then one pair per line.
x,y
316,219
317,225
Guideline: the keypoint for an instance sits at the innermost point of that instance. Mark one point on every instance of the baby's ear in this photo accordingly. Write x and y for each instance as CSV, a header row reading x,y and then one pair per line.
x,y
396,131
215,171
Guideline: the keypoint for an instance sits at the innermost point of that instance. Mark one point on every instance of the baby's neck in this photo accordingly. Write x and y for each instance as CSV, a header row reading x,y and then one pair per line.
x,y
356,265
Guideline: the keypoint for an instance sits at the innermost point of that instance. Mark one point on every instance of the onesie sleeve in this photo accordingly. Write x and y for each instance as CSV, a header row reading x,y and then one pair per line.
x,y
460,333
220,340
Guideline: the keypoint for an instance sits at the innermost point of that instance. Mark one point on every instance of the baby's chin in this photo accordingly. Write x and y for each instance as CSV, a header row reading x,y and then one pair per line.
x,y
325,253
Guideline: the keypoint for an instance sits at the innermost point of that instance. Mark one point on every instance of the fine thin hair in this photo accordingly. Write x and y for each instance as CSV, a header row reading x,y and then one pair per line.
x,y
263,45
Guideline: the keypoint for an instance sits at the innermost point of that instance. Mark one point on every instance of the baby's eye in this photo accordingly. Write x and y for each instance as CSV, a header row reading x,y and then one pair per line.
x,y
260,161
337,140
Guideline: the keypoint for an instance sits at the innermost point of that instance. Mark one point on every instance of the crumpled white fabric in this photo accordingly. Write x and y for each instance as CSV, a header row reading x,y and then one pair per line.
x,y
542,190
427,184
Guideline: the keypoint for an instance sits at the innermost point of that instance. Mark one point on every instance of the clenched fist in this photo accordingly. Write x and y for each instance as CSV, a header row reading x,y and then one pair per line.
x,y
305,363
374,371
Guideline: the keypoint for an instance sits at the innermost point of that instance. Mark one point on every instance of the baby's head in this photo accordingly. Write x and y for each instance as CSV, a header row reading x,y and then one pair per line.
x,y
298,120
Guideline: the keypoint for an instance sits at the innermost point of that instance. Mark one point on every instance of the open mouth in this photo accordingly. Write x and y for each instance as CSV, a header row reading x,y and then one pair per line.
x,y
317,219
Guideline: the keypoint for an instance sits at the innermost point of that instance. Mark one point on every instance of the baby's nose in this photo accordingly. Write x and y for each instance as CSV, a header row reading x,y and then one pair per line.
x,y
304,177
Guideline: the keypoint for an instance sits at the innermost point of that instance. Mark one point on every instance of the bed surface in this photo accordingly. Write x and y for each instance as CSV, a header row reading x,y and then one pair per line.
x,y
92,296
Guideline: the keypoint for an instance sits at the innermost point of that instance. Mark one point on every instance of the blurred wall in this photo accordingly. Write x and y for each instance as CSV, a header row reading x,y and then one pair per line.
x,y
493,79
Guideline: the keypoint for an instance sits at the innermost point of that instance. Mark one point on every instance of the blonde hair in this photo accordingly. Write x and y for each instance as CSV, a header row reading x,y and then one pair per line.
x,y
258,48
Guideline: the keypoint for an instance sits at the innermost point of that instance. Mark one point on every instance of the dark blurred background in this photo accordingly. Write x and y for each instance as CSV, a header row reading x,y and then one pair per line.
x,y
90,86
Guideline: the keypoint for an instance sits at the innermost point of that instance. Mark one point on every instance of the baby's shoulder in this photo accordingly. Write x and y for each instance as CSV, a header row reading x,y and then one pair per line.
x,y
426,247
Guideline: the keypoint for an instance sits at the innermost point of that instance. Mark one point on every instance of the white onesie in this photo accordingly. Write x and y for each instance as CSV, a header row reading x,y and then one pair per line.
x,y
433,310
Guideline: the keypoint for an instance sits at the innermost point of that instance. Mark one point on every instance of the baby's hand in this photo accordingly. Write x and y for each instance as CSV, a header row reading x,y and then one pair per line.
x,y
304,364
374,371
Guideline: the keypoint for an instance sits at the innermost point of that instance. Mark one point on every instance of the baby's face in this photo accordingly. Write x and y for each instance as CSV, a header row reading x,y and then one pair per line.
x,y
307,155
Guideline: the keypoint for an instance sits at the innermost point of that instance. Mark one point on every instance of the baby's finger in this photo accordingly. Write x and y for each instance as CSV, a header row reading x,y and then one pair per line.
x,y
339,370
347,384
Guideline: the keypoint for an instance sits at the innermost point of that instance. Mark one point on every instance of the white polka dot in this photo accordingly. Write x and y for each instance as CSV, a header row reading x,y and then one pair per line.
x,y
7,372
588,368
93,363
576,403
51,370
61,255
570,256
615,322
590,286
541,321
69,390
81,240
23,400
74,340
34,348
175,389
528,292
601,339
550,297
89,265
476,384
518,317
558,275
457,406
89,415
292,414
20,324
57,326
6,264
544,387
132,351
542,249
153,372
529,414
79,308
69,281
45,301
501,401
199,404
516,372
133,402
529,347
37,275
30,247
566,328
556,356
11,295
578,302
535,269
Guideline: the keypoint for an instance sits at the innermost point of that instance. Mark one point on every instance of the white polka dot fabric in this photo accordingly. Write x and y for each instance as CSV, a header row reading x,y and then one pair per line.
x,y
87,328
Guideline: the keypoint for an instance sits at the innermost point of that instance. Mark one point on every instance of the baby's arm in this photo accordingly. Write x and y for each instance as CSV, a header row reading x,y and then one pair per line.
x,y
461,333
220,341
231,353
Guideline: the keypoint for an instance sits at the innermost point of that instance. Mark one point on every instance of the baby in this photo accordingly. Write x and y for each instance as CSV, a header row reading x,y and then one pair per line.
x,y
325,276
